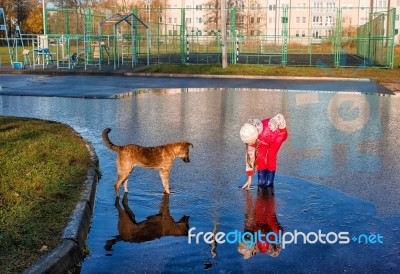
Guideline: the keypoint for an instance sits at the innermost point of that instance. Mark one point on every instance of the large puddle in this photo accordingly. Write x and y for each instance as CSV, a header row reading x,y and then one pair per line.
x,y
336,185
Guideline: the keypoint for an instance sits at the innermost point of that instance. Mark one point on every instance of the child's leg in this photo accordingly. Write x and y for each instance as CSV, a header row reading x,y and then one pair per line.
x,y
262,178
270,178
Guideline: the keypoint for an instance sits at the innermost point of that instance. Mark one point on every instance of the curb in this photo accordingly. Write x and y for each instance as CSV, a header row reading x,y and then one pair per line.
x,y
69,252
254,77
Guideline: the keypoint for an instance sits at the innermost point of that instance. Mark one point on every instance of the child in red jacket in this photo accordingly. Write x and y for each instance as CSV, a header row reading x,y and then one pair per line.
x,y
263,140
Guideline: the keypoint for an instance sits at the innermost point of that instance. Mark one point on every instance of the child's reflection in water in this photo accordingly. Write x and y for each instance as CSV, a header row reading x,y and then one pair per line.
x,y
260,217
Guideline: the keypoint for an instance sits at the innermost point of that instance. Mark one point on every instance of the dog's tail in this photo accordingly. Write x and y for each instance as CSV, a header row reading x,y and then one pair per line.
x,y
107,141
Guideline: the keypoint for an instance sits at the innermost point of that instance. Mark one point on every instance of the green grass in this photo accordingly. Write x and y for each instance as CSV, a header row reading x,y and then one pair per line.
x,y
42,167
380,75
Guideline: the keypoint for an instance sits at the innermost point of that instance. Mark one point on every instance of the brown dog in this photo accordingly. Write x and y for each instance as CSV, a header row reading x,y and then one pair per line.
x,y
160,157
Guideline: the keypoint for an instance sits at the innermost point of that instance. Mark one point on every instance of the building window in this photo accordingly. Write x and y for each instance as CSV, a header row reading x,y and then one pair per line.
x,y
304,20
251,20
199,7
258,20
297,20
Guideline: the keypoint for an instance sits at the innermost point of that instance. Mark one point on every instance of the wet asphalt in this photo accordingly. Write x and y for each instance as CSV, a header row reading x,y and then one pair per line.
x,y
95,86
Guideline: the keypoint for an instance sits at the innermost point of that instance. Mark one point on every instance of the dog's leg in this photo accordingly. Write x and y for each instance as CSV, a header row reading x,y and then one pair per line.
x,y
125,185
121,179
164,175
124,169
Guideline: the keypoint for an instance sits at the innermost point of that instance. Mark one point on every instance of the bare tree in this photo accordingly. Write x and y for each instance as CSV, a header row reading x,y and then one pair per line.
x,y
75,4
212,15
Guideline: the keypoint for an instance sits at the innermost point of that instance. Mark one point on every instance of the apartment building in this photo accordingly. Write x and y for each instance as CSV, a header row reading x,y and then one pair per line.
x,y
311,19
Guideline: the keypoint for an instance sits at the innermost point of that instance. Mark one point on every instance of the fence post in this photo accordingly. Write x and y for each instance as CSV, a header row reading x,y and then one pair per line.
x,y
285,21
183,37
338,40
392,31
234,36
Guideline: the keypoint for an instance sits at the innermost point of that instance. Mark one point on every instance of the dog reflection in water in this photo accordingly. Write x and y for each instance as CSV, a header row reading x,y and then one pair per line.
x,y
261,217
155,226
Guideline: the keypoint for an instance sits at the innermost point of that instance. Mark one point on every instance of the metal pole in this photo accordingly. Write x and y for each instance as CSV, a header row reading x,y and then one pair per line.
x,y
115,47
148,47
99,44
44,17
223,35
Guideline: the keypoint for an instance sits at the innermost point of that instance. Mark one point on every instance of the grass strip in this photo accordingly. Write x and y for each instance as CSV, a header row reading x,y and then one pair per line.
x,y
378,74
42,167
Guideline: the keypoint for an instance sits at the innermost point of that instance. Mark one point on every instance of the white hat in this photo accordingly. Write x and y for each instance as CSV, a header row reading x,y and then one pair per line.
x,y
248,133
257,123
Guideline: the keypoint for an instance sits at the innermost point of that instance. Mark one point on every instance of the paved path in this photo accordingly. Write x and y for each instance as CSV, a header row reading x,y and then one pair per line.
x,y
107,86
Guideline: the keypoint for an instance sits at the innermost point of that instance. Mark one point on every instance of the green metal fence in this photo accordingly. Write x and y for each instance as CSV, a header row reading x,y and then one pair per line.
x,y
373,39
289,36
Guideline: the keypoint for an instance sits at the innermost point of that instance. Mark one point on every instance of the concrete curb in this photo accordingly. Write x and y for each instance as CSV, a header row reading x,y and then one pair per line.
x,y
255,77
69,252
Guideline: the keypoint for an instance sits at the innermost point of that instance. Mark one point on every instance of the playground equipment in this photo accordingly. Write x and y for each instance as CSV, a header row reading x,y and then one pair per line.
x,y
3,27
16,42
101,36
125,32
42,56
17,39
69,53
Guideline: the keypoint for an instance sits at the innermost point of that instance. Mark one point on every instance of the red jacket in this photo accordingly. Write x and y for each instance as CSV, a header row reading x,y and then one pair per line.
x,y
269,143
